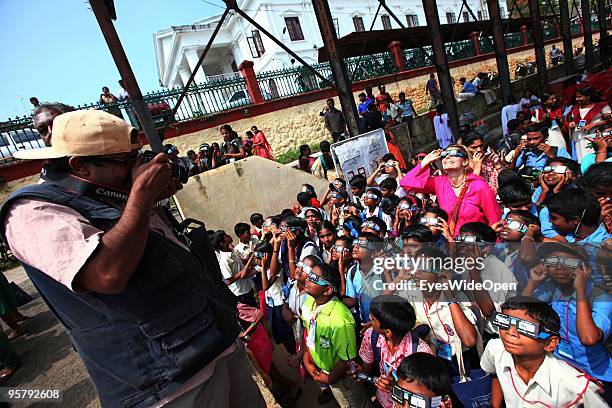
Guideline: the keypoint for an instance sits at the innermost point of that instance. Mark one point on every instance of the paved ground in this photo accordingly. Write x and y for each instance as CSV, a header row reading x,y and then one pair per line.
x,y
50,362
48,359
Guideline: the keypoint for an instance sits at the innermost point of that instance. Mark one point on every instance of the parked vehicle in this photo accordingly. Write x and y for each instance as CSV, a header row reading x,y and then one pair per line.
x,y
19,139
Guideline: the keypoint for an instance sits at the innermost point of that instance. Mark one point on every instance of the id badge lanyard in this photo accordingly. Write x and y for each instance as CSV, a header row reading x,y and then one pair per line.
x,y
312,327
564,347
443,348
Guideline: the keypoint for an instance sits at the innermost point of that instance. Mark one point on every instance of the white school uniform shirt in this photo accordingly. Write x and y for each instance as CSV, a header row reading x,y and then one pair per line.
x,y
439,315
556,383
274,294
230,265
243,251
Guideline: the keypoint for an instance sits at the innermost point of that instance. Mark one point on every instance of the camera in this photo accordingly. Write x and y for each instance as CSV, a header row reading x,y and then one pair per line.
x,y
178,170
529,173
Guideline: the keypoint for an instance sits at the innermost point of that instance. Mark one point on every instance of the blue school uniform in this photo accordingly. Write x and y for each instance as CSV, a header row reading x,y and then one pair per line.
x,y
538,160
594,360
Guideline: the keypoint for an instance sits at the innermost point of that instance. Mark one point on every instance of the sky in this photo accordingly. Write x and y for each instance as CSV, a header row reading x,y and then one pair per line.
x,y
54,49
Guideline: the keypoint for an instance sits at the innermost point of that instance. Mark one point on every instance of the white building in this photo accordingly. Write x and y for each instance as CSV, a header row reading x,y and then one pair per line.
x,y
178,48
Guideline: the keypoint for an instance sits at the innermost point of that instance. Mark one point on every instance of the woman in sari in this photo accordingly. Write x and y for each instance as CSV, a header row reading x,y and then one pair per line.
x,y
261,147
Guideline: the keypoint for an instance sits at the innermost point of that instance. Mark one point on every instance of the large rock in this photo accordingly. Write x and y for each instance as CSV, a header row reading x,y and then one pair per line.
x,y
223,197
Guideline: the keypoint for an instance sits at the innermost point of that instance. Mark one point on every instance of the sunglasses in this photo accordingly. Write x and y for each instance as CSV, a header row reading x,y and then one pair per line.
x,y
371,225
524,327
305,268
413,400
429,221
371,196
285,228
468,239
516,226
340,248
406,206
556,169
453,153
390,164
365,244
560,262
318,280
335,196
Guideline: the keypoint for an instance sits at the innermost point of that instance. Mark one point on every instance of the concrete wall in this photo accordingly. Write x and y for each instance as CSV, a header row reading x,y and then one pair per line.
x,y
223,197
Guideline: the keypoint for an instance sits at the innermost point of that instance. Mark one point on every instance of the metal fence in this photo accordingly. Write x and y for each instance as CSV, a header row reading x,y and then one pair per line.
x,y
459,50
418,57
370,66
486,44
283,83
17,134
513,40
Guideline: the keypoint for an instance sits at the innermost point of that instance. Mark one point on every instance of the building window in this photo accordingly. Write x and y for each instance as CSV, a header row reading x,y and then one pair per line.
x,y
450,18
256,44
337,27
479,13
386,22
502,12
358,22
412,20
485,13
466,17
294,28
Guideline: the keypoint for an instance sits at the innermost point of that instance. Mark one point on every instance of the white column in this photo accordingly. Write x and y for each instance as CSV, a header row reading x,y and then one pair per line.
x,y
193,57
185,73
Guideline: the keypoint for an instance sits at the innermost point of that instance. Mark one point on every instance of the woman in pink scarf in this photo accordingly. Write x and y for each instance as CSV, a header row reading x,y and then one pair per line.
x,y
477,200
261,147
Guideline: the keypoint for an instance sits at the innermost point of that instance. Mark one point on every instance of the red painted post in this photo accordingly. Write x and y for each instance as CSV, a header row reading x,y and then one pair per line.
x,y
396,53
248,73
475,41
525,35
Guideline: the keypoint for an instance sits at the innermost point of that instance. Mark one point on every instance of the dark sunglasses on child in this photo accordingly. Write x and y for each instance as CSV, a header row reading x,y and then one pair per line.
x,y
561,262
409,399
524,327
318,280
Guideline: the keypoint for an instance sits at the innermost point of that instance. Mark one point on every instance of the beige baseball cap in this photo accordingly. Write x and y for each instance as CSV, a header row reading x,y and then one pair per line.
x,y
85,133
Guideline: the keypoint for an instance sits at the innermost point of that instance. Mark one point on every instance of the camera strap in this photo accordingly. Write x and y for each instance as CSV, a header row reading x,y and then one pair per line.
x,y
87,188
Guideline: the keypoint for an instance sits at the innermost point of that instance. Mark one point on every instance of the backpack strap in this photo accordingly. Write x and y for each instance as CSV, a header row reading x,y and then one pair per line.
x,y
375,348
415,341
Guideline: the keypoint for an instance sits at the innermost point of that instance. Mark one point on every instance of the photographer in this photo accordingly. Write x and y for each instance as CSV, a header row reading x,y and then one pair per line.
x,y
140,306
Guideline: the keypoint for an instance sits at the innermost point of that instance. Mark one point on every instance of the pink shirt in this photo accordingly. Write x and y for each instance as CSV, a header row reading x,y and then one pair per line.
x,y
404,350
478,205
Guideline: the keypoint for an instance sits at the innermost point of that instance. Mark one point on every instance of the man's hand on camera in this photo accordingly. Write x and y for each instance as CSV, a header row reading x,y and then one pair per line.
x,y
154,180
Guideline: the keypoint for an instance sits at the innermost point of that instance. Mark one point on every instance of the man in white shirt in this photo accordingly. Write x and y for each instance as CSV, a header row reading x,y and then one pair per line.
x,y
508,113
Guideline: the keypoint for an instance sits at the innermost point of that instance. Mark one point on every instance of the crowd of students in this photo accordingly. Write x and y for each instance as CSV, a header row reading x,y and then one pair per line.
x,y
356,283
233,147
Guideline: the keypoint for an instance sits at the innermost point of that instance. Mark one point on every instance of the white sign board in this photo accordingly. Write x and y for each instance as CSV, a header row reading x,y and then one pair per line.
x,y
361,154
